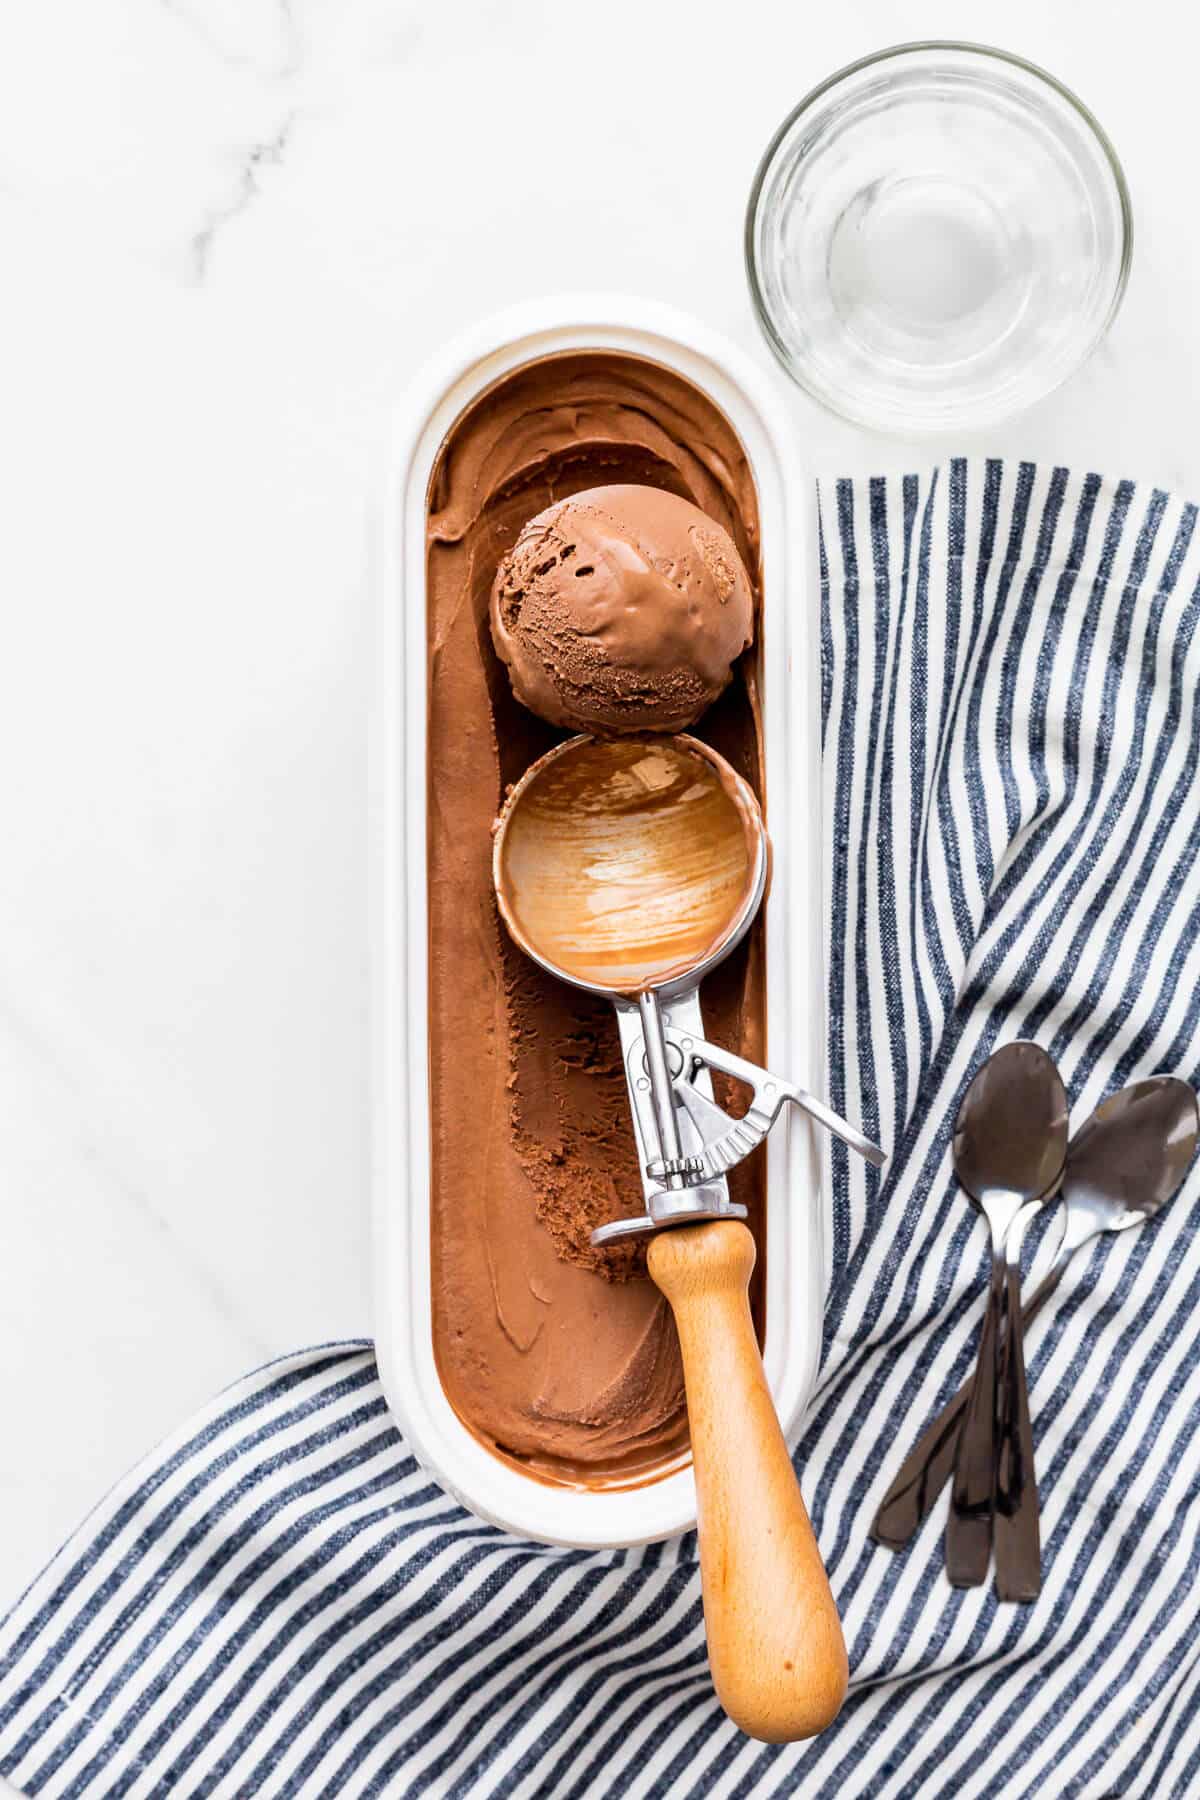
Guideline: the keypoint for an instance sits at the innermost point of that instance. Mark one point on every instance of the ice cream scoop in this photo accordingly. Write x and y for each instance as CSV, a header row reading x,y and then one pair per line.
x,y
631,867
622,609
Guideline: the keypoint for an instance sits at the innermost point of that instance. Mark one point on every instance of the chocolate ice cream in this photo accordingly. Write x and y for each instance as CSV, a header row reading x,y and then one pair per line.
x,y
558,1356
621,609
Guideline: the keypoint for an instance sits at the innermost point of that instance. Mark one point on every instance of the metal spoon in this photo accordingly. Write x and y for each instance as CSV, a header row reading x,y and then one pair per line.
x,y
1016,1522
1123,1166
1010,1143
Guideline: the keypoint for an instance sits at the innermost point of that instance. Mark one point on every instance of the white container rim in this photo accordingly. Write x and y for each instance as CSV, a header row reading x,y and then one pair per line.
x,y
587,1518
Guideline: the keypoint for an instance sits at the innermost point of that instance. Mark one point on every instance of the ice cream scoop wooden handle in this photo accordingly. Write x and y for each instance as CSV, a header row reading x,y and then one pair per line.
x,y
775,1642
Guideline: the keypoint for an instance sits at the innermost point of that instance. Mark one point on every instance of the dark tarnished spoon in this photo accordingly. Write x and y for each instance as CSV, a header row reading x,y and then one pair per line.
x,y
1123,1166
1010,1143
1016,1521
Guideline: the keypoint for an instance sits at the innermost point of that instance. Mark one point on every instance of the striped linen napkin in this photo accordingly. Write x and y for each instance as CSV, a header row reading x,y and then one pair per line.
x,y
280,1602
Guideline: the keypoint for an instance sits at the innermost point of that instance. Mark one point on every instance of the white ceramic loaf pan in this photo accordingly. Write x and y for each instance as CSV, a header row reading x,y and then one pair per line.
x,y
496,1490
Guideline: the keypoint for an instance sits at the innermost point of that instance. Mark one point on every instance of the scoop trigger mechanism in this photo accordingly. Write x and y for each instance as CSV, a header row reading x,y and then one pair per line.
x,y
686,1142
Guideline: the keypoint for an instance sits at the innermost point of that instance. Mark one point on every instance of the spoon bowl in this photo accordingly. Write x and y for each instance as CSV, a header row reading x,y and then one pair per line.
x,y
1010,1137
1129,1158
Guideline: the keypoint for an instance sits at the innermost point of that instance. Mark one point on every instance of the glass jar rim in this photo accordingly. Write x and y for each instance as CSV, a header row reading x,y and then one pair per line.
x,y
913,47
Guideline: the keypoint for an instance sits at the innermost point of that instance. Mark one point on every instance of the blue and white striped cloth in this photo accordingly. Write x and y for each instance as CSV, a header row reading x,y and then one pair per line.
x,y
280,1602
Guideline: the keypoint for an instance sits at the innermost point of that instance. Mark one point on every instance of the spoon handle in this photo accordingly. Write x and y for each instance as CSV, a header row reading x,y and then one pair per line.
x,y
969,1527
930,1463
775,1645
1017,1529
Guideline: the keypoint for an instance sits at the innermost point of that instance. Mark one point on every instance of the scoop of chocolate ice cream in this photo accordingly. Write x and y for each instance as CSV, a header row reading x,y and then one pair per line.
x,y
621,609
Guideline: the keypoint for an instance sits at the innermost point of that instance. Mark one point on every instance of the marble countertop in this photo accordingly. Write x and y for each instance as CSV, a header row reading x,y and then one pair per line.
x,y
233,229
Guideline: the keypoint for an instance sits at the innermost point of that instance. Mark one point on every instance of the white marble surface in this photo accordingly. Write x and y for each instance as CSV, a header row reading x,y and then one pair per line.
x,y
232,229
